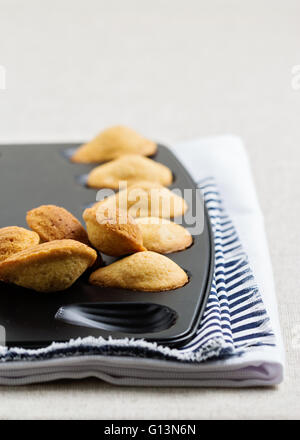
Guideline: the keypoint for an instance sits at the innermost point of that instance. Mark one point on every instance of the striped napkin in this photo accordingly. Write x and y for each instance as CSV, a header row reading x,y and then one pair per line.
x,y
234,326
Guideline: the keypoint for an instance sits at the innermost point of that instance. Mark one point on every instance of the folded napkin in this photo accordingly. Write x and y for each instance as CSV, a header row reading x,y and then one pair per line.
x,y
238,342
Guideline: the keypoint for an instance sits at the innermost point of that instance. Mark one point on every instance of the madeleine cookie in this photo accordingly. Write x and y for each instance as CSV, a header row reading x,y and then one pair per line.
x,y
146,199
130,168
113,232
48,267
112,143
55,223
146,271
163,236
14,239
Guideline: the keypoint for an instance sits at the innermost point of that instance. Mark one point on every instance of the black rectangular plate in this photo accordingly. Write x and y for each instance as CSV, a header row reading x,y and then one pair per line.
x,y
32,175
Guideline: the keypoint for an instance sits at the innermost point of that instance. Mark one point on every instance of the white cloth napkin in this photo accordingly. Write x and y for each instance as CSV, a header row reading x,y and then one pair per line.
x,y
225,159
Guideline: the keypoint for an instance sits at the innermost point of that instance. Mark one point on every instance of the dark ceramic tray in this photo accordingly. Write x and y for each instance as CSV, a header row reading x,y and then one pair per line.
x,y
31,175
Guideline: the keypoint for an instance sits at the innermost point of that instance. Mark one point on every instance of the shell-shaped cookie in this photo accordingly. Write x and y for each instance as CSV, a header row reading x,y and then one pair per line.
x,y
130,168
48,267
163,236
14,239
145,271
53,222
112,143
113,232
147,199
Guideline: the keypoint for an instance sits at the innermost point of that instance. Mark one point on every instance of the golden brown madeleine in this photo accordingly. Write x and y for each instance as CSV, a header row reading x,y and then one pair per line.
x,y
52,222
163,236
14,239
112,143
113,232
130,168
48,267
147,199
146,271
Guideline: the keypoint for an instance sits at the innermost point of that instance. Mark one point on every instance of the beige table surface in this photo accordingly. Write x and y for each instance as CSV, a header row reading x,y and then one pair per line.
x,y
174,70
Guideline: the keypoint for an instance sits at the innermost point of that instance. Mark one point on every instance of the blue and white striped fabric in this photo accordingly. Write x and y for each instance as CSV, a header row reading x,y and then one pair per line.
x,y
235,319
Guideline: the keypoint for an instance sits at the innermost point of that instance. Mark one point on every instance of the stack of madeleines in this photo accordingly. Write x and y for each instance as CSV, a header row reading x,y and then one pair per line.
x,y
134,224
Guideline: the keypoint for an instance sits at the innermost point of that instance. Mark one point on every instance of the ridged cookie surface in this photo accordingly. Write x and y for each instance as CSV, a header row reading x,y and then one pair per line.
x,y
14,239
53,222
